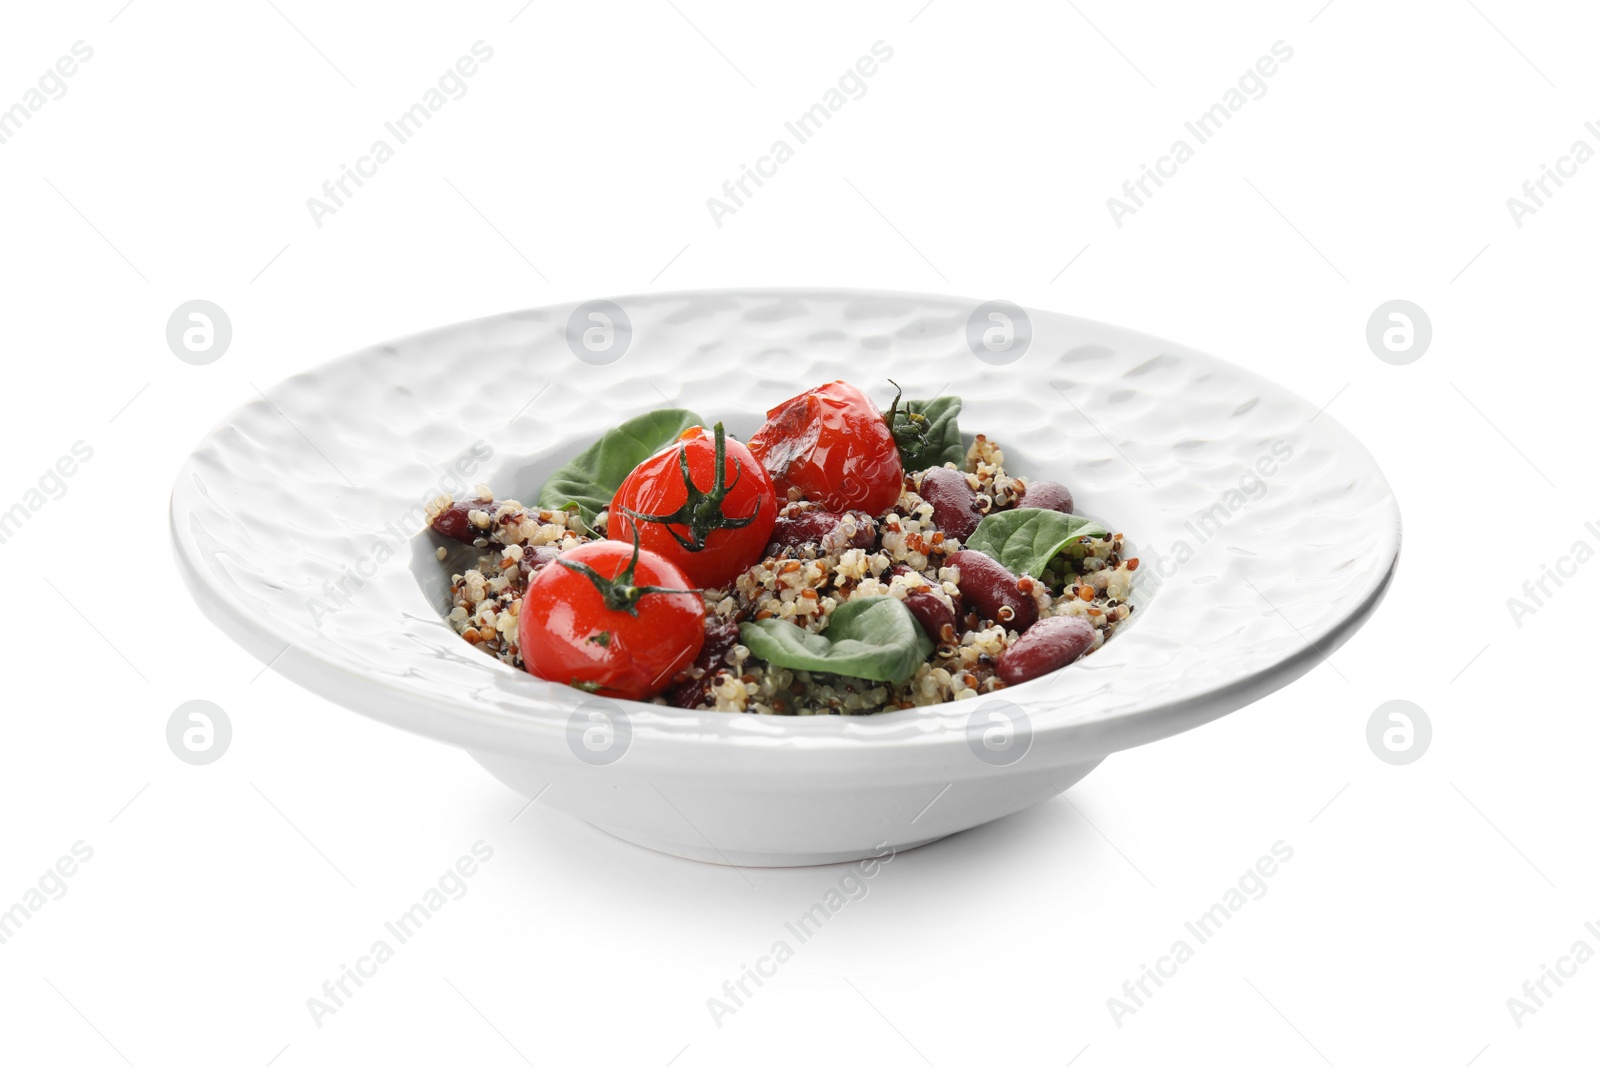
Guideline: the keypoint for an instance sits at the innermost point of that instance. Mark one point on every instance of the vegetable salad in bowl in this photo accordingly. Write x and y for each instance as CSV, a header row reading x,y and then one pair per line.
x,y
845,560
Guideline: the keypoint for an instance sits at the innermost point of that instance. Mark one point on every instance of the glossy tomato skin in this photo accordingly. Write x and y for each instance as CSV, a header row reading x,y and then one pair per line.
x,y
656,488
569,635
832,444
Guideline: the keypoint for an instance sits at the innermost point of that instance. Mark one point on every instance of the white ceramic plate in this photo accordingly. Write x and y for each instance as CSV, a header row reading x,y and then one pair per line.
x,y
1267,535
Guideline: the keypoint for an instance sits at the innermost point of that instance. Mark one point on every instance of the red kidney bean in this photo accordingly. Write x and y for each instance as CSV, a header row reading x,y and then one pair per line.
x,y
453,523
722,634
929,610
1050,496
814,526
866,535
1050,645
955,505
993,591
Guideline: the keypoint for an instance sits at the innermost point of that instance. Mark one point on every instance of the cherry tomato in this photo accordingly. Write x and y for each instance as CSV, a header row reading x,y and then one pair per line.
x,y
704,503
611,619
833,445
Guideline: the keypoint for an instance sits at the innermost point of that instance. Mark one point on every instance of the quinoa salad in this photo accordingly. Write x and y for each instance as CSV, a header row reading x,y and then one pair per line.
x,y
846,560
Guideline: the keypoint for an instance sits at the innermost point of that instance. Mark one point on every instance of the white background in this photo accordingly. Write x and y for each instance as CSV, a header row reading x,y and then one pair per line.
x,y
1377,166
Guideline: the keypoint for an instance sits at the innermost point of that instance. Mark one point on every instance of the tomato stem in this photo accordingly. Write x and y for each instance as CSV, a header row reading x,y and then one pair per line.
x,y
702,512
619,593
911,438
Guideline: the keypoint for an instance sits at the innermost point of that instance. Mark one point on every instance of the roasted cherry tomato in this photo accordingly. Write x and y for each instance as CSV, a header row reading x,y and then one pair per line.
x,y
834,445
704,503
611,619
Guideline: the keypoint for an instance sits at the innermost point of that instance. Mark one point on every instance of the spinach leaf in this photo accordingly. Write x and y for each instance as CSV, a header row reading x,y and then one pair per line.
x,y
591,478
874,637
932,441
1025,540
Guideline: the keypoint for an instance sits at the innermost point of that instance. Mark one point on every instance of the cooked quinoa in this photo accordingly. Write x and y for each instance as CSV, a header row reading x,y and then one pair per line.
x,y
906,554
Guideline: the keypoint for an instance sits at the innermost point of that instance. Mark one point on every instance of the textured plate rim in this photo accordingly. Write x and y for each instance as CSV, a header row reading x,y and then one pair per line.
x,y
550,705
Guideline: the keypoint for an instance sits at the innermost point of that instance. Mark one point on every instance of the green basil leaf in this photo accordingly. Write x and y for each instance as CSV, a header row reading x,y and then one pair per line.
x,y
1025,540
875,637
592,477
935,442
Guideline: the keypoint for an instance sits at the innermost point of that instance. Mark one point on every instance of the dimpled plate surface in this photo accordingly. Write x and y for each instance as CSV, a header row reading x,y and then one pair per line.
x,y
1267,532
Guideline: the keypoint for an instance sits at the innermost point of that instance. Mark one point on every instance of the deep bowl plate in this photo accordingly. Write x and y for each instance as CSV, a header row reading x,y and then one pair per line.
x,y
1267,534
